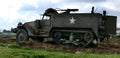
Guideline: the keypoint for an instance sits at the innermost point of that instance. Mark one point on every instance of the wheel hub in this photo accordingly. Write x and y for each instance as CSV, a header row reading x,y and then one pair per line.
x,y
21,37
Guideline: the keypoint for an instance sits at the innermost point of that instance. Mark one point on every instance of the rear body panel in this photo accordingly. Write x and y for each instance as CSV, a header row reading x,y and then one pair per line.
x,y
111,24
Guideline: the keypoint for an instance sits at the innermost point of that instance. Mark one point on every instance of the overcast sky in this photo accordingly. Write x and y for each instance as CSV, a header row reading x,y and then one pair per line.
x,y
14,11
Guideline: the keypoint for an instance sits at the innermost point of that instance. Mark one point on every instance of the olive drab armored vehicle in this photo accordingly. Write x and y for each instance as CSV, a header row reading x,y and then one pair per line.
x,y
68,27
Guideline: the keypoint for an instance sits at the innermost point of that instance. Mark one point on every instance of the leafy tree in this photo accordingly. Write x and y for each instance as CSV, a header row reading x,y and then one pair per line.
x,y
0,31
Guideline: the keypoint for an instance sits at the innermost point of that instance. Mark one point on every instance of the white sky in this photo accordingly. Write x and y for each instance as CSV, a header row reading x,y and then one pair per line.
x,y
14,11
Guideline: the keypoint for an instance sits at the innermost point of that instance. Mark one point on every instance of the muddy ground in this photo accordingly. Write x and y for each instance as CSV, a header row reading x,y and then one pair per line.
x,y
110,46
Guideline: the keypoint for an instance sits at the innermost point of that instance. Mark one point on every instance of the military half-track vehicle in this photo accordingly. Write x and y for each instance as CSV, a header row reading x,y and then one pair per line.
x,y
68,27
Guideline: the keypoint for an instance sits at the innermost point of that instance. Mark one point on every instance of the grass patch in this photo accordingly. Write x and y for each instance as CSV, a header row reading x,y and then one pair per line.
x,y
14,51
13,45
2,45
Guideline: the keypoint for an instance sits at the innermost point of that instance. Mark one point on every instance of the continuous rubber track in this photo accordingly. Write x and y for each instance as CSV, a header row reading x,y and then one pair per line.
x,y
110,46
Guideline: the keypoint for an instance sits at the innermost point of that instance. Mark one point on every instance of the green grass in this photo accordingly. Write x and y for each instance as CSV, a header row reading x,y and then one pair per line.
x,y
14,51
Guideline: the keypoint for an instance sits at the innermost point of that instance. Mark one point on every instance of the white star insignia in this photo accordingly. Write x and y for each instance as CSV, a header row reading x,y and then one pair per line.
x,y
72,21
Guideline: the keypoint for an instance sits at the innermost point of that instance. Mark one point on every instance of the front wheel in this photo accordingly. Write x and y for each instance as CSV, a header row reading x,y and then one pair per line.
x,y
22,36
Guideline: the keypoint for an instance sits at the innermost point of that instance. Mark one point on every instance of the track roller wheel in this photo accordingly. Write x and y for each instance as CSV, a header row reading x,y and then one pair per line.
x,y
56,36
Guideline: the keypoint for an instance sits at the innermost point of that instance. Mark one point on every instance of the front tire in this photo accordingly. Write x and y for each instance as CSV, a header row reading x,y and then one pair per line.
x,y
22,36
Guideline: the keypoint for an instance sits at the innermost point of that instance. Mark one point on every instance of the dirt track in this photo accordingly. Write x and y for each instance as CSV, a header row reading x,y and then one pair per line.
x,y
111,46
